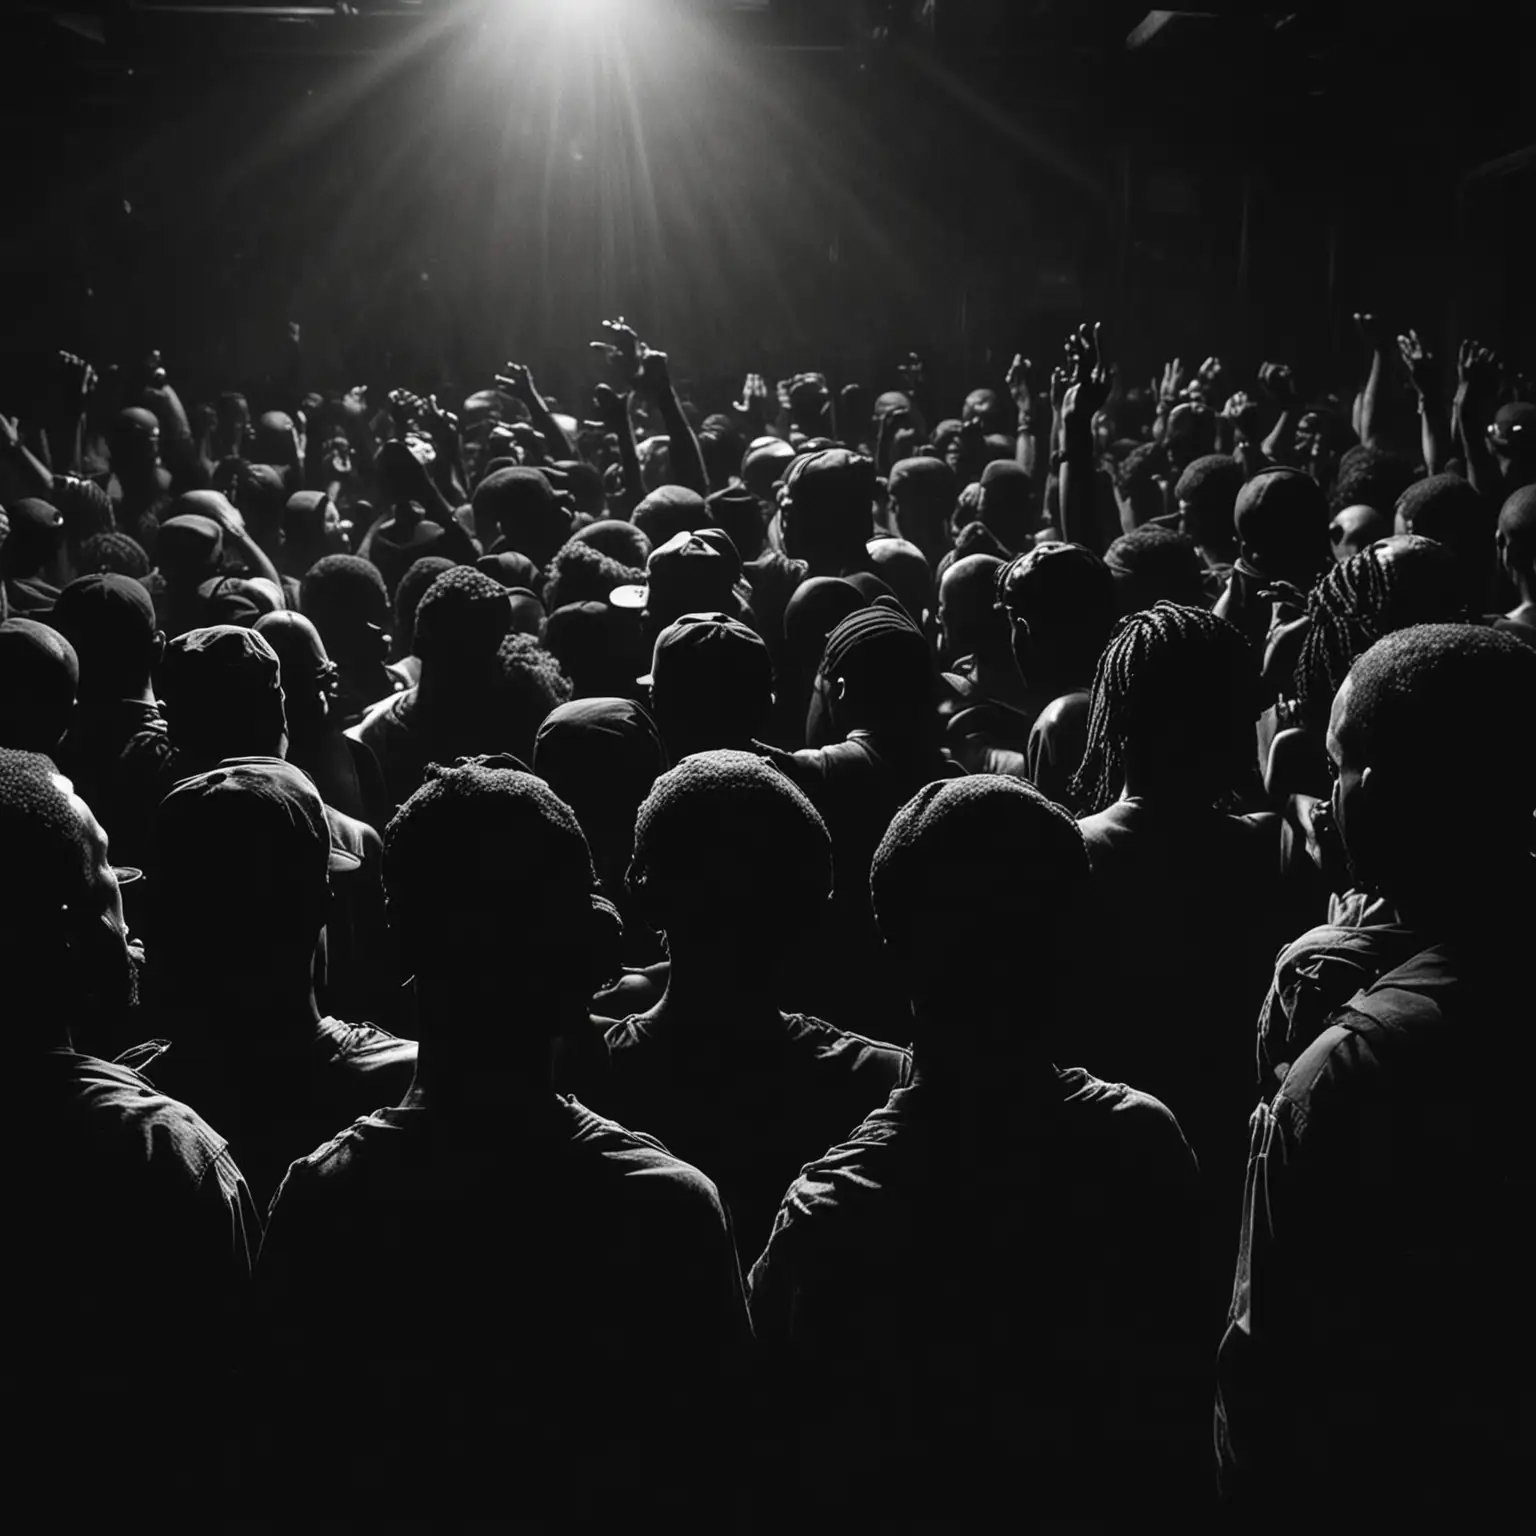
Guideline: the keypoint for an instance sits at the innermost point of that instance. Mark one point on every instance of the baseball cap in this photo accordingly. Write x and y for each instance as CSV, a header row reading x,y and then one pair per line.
x,y
37,529
216,664
236,600
711,654
738,512
833,491
763,465
260,820
690,573
104,614
668,511
1057,584
189,544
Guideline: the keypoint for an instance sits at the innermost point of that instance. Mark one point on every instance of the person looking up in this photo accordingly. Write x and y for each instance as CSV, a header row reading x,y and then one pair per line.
x,y
747,1093
398,1205
909,1229
1380,1156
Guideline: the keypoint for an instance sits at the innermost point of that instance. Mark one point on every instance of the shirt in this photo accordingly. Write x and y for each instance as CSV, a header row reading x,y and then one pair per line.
x,y
748,1106
278,1102
130,1236
980,1302
544,1309
1373,1358
1057,741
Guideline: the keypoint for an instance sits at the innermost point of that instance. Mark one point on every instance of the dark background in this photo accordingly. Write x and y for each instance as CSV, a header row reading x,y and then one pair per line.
x,y
766,186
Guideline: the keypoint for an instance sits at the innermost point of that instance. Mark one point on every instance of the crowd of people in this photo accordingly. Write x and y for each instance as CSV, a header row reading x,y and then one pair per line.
x,y
815,962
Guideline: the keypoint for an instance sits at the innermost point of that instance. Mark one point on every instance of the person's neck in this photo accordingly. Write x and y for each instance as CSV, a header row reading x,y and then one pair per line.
x,y
1161,788
457,1084
98,701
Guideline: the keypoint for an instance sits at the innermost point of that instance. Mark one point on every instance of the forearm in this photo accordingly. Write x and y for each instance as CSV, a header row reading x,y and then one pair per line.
x,y
1434,433
1077,486
687,459
1370,401
1280,446
549,429
31,473
1027,448
1472,436
633,492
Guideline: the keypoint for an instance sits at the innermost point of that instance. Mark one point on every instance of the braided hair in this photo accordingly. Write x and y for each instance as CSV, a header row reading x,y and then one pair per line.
x,y
1389,586
1165,668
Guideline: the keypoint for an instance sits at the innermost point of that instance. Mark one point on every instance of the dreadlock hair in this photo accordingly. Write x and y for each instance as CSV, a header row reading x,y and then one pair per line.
x,y
1401,581
1180,677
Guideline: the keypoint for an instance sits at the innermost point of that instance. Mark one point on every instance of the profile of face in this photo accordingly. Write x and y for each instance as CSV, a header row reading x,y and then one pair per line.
x,y
335,530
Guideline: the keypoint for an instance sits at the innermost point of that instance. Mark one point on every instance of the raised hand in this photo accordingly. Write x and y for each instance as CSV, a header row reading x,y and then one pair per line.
x,y
1420,360
405,409
622,347
654,373
1171,385
1477,371
754,398
1210,372
77,380
1021,376
1277,381
10,431
610,408
1372,331
1060,379
1242,409
355,401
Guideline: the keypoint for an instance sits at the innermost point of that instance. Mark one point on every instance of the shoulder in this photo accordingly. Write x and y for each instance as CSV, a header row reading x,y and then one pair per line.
x,y
1068,709
646,1172
366,1047
1141,1128
844,1050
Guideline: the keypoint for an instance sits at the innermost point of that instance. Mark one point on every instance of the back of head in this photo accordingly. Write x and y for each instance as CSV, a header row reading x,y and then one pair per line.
x,y
815,608
1175,695
1440,720
924,492
85,510
1282,524
598,647
1450,511
879,672
413,586
1371,477
110,621
35,537
1008,505
601,756
345,597
726,846
39,676
1355,528
711,684
461,621
987,856
736,511
306,673
1207,493
969,620
523,506
1392,585
529,685
904,568
1064,599
1517,531
490,886
1137,480
691,573
1154,564
763,465
222,691
47,867
827,511
584,482
668,511
240,877
113,552
619,541
582,572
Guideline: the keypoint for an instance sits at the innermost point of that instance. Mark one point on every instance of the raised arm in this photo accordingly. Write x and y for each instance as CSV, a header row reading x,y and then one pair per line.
x,y
31,473
1477,371
1279,383
1027,448
1088,392
612,411
684,454
1376,339
518,382
1429,384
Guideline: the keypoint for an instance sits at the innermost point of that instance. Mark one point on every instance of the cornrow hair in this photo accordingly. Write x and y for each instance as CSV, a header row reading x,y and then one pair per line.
x,y
1358,602
1156,663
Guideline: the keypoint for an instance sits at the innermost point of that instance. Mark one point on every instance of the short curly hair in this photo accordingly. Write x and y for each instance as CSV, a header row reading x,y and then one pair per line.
x,y
47,856
730,821
115,554
532,683
582,573
1370,477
